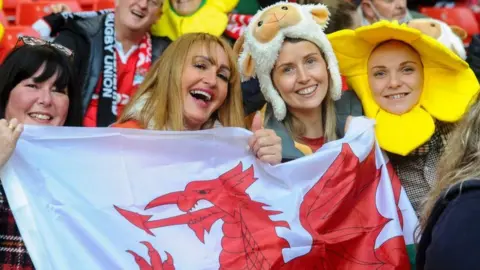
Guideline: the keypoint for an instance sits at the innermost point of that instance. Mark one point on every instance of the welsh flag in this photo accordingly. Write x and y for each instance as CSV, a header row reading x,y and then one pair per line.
x,y
134,199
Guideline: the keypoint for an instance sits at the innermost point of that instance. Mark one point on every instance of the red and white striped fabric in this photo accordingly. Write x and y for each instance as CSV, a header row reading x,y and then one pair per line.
x,y
237,23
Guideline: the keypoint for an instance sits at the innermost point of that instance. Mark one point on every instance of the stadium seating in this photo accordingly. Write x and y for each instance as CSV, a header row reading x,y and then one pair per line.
x,y
29,12
104,4
11,36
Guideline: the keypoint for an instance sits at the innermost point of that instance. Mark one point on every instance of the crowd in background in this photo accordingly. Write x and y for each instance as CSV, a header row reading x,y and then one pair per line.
x,y
202,64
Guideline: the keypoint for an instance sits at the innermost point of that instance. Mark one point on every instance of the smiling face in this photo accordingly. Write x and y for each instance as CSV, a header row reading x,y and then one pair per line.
x,y
38,103
204,83
300,75
395,75
185,7
138,15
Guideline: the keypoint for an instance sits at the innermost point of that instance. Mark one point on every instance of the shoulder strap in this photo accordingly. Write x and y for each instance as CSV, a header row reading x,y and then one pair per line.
x,y
159,44
289,151
438,209
348,104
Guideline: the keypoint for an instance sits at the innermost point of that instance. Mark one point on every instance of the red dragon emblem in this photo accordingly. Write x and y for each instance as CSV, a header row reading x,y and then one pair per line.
x,y
339,212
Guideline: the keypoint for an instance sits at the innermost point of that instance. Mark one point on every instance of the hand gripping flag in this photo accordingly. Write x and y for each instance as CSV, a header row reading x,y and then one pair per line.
x,y
134,199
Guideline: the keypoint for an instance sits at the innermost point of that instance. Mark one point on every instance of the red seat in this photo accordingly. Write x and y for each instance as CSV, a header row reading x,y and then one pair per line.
x,y
104,4
12,33
86,4
10,8
459,16
3,19
28,13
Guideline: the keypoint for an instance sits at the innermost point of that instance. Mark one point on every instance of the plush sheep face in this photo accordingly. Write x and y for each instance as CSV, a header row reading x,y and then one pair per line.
x,y
273,20
429,27
449,35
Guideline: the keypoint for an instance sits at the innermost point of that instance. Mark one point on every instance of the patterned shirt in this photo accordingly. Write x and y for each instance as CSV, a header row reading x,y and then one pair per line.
x,y
13,253
418,170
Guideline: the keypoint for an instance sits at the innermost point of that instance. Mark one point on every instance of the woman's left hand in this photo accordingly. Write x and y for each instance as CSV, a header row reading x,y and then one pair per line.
x,y
9,133
265,143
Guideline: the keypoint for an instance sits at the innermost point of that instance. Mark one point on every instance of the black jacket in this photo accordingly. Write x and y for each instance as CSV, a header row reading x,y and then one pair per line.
x,y
85,38
473,55
451,239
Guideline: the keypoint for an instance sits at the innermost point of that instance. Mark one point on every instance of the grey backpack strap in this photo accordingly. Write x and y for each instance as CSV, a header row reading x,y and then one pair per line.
x,y
348,104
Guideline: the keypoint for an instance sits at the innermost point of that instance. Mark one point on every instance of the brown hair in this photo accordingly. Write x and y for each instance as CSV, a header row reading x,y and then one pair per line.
x,y
158,103
296,128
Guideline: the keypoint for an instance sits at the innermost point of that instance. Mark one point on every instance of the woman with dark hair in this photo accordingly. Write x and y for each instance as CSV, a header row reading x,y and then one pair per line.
x,y
40,61
37,87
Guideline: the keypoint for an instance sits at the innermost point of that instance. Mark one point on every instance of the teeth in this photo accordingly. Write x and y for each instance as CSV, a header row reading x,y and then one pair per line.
x,y
40,116
207,96
137,14
194,207
308,90
397,96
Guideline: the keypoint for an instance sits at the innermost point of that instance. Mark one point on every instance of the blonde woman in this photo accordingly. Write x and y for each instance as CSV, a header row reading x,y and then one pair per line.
x,y
195,85
298,74
451,215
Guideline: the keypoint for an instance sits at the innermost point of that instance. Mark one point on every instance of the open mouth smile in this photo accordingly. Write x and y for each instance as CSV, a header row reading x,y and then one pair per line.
x,y
396,96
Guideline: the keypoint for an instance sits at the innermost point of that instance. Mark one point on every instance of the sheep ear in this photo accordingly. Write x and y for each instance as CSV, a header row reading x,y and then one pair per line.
x,y
460,32
238,46
320,14
248,65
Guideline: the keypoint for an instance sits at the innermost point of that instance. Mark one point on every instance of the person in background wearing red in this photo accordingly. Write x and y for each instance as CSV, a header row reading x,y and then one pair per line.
x,y
113,52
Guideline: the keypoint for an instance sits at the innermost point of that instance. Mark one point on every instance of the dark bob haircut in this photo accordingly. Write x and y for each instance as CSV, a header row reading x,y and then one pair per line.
x,y
24,61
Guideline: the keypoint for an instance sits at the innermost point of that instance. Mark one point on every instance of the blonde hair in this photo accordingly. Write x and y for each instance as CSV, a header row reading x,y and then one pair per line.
x,y
158,102
460,160
297,128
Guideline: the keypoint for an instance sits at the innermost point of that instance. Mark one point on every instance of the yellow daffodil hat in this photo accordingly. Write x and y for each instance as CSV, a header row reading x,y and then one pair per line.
x,y
449,83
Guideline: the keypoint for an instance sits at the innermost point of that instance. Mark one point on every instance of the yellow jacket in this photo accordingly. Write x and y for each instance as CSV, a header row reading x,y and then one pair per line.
x,y
210,18
2,28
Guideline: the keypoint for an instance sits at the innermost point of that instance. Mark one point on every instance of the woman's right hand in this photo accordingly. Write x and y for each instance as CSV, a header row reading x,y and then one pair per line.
x,y
9,133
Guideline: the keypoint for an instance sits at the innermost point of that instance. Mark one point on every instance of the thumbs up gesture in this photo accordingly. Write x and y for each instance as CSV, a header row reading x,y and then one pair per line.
x,y
265,143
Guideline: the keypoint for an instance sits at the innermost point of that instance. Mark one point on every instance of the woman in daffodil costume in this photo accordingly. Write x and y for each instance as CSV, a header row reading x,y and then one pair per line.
x,y
415,89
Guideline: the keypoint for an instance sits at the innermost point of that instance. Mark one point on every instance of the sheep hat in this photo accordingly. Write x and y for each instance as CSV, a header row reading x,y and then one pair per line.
x,y
259,46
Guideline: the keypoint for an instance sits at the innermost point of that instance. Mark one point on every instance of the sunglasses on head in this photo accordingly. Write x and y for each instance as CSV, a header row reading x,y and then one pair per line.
x,y
32,41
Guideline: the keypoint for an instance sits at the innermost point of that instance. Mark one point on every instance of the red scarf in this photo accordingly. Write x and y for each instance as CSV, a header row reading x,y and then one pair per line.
x,y
237,24
144,59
